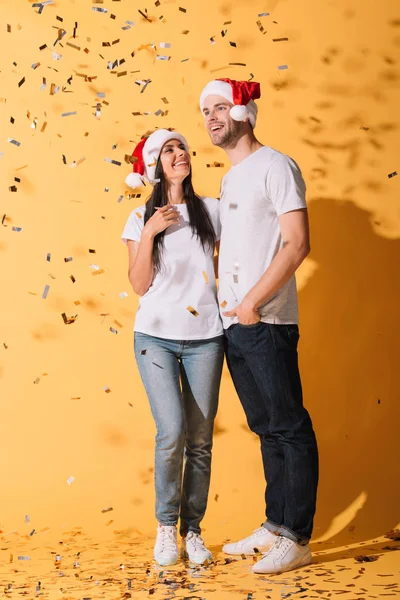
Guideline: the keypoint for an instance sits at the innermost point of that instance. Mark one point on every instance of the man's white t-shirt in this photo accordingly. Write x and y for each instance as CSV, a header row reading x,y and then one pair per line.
x,y
181,303
254,193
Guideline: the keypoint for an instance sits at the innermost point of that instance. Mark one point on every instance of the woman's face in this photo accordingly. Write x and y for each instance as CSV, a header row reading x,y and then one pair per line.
x,y
175,161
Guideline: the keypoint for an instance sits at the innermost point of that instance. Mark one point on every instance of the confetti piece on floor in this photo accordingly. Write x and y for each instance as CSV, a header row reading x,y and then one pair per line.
x,y
15,142
27,518
107,390
113,330
392,174
282,67
45,292
365,558
69,114
192,311
105,510
284,39
265,14
69,481
23,558
68,320
123,294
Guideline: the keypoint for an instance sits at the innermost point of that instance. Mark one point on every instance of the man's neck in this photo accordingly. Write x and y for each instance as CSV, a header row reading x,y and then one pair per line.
x,y
242,148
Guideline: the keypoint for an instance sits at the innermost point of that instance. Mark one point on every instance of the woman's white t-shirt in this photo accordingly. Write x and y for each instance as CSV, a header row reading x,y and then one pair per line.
x,y
181,303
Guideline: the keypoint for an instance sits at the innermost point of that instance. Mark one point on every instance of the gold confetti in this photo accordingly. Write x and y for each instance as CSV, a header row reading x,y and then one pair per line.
x,y
223,304
205,276
192,311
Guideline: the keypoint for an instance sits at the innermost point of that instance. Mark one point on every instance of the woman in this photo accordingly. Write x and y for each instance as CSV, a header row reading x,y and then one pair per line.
x,y
178,335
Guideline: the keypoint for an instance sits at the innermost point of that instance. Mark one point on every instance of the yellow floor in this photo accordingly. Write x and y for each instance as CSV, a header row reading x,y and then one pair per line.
x,y
77,567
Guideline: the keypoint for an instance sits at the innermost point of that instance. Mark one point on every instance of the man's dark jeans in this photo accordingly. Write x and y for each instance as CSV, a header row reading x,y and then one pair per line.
x,y
262,360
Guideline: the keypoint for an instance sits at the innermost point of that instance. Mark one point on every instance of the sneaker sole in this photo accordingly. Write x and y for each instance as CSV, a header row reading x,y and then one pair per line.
x,y
304,563
166,563
185,555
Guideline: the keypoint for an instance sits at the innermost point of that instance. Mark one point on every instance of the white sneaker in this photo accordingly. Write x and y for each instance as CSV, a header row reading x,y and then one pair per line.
x,y
261,539
166,547
283,556
194,549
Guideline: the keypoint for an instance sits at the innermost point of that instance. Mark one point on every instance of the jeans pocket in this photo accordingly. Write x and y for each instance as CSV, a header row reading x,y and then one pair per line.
x,y
292,332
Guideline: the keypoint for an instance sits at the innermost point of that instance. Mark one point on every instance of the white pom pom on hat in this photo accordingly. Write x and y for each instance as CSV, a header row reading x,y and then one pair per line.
x,y
239,93
146,155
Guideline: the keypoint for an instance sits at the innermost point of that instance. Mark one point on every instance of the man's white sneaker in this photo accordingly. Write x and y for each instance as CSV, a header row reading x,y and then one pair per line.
x,y
283,556
261,539
166,546
194,549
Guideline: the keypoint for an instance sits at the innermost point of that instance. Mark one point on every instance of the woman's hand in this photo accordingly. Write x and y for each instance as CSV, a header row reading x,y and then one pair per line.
x,y
162,218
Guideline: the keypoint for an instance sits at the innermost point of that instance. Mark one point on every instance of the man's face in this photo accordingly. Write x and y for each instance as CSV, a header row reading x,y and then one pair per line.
x,y
222,129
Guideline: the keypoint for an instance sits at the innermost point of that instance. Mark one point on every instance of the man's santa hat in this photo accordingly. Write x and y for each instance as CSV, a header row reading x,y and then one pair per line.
x,y
146,155
239,93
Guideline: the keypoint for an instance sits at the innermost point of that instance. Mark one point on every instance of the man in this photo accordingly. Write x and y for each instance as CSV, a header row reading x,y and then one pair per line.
x,y
264,239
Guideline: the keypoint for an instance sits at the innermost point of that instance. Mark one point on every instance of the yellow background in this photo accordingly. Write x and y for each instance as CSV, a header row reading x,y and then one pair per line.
x,y
342,76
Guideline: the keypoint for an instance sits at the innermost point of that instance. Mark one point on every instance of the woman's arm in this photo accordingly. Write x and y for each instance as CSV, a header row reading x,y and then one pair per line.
x,y
141,271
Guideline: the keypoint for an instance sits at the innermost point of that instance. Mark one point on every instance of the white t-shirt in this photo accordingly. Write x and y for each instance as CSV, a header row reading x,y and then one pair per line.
x,y
254,193
185,283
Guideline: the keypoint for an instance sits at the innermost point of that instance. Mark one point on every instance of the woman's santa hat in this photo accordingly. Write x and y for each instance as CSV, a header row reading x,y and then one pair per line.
x,y
146,155
239,93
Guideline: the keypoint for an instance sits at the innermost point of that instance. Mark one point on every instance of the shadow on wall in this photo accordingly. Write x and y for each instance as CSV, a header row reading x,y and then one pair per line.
x,y
349,354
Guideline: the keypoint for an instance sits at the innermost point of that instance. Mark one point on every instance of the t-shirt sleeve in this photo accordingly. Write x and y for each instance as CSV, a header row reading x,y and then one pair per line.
x,y
217,221
285,185
133,227
213,207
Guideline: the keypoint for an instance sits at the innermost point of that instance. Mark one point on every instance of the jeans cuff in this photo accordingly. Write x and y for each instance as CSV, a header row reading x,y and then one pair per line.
x,y
285,532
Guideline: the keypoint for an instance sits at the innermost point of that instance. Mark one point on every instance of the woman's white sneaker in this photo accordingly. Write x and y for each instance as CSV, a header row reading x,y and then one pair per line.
x,y
261,539
194,549
283,556
166,546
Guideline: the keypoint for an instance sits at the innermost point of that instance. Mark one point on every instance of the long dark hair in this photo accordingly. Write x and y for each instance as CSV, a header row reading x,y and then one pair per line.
x,y
199,218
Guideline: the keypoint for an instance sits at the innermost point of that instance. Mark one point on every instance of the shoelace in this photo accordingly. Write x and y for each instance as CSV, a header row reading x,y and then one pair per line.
x,y
280,547
168,541
196,540
256,533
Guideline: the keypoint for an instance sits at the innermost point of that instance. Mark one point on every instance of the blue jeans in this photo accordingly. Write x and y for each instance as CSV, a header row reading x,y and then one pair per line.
x,y
182,380
262,360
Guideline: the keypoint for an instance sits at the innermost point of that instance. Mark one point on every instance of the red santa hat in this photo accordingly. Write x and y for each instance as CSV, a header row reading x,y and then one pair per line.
x,y
239,93
147,153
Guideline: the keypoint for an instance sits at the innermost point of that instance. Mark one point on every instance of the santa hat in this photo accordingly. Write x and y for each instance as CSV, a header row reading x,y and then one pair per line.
x,y
146,154
239,93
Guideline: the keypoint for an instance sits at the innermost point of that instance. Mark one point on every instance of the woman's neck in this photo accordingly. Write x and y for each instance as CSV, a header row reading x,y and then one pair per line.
x,y
175,194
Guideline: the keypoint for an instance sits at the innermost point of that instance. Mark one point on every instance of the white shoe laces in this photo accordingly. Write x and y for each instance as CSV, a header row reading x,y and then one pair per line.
x,y
167,538
196,540
280,547
256,533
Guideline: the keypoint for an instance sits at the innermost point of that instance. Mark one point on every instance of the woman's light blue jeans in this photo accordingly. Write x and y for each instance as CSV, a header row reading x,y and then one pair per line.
x,y
182,380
